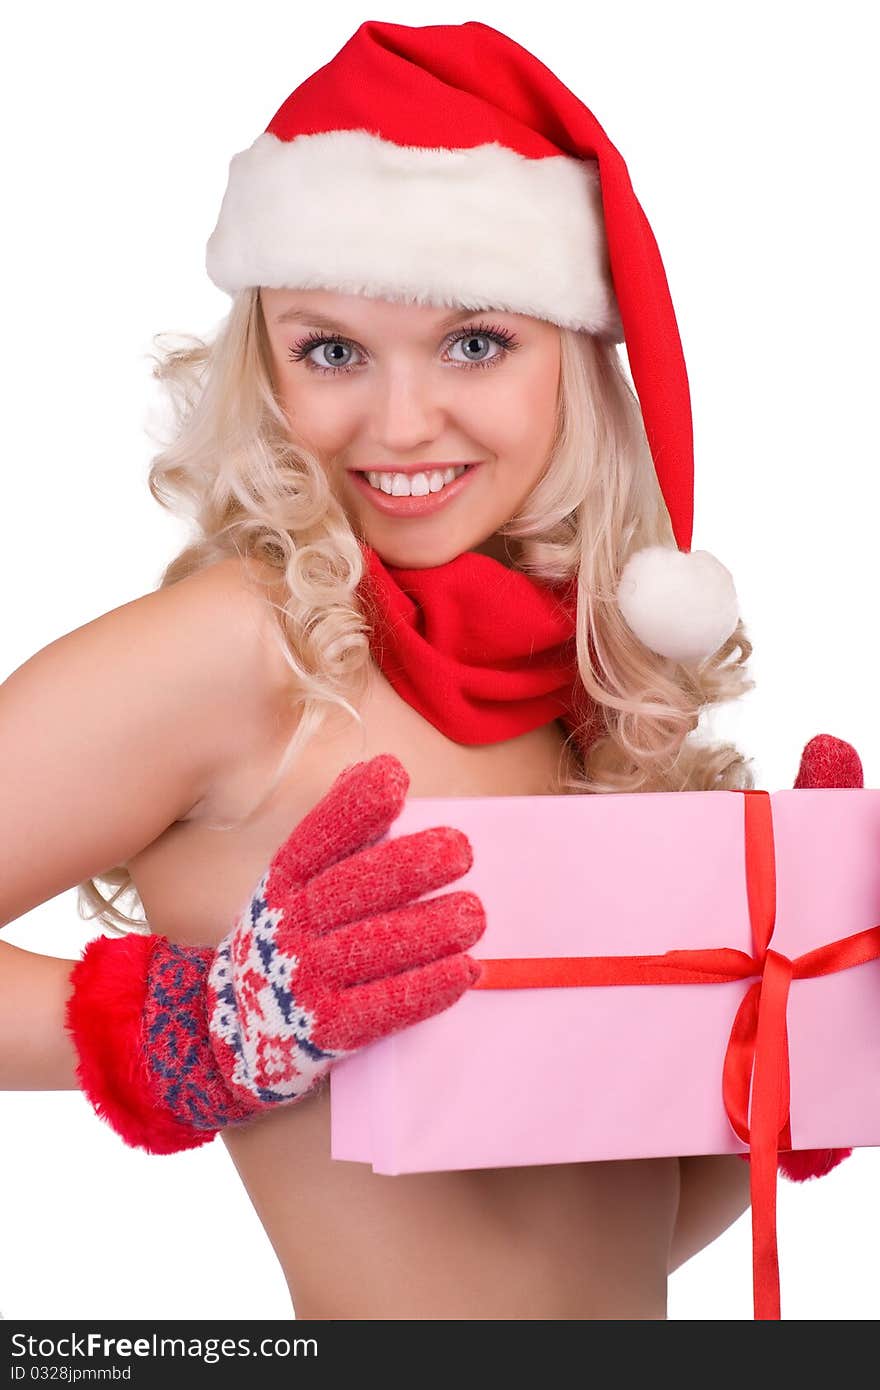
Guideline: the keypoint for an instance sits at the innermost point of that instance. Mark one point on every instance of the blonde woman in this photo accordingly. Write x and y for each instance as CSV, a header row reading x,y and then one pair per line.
x,y
440,549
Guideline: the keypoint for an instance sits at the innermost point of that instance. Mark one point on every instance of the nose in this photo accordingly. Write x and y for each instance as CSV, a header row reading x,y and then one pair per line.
x,y
406,409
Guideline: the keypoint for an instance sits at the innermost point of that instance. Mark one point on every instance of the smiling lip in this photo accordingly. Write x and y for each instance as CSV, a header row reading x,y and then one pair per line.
x,y
413,506
410,469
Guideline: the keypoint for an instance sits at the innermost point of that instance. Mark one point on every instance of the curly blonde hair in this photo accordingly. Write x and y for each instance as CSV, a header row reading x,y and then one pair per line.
x,y
251,489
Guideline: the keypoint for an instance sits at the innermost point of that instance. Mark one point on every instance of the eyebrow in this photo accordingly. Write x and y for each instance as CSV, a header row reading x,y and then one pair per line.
x,y
297,314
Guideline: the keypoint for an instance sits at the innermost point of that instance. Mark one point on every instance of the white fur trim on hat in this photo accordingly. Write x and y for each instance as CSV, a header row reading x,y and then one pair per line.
x,y
479,228
680,605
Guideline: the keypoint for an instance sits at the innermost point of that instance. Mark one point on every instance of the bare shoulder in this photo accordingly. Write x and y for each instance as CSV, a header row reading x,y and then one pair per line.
x,y
235,604
119,728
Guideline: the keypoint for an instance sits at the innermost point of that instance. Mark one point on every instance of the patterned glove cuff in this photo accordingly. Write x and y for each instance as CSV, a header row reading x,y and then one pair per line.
x,y
137,1017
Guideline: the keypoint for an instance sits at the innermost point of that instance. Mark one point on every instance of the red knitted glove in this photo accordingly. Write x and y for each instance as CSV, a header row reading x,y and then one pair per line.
x,y
330,953
825,762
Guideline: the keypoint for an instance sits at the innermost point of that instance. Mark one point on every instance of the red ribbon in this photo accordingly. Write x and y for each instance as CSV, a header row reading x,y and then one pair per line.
x,y
756,1059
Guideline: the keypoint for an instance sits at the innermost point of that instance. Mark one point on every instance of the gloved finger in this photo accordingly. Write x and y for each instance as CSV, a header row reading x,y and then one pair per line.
x,y
363,802
367,1012
380,946
375,880
829,762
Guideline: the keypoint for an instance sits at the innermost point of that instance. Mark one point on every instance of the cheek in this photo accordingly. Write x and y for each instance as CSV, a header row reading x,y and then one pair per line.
x,y
528,411
541,385
311,415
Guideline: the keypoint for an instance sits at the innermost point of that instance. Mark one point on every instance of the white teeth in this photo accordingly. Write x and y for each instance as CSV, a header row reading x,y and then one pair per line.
x,y
419,485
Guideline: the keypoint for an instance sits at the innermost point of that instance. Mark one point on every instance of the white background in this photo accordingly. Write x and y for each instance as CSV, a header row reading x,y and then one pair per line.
x,y
750,134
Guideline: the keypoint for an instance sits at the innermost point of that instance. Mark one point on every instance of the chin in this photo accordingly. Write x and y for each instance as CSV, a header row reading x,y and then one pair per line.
x,y
413,554
418,559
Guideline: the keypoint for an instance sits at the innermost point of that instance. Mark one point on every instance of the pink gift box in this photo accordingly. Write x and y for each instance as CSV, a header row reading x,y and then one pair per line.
x,y
506,1077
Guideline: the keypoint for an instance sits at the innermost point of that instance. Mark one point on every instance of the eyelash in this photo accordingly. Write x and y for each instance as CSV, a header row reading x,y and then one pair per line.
x,y
300,351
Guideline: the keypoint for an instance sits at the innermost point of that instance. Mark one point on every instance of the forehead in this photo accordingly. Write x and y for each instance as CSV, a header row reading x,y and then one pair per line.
x,y
360,313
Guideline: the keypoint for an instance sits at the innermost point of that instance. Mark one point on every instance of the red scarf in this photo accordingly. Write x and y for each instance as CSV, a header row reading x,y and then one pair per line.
x,y
483,652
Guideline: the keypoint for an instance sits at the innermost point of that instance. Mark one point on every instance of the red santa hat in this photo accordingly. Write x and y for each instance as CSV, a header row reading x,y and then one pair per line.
x,y
447,165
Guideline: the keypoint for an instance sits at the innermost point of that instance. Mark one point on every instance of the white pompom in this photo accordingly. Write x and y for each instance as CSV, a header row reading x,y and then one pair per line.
x,y
680,605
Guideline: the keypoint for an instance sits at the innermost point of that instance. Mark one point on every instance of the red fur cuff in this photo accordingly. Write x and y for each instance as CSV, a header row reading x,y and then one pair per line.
x,y
799,1164
104,1016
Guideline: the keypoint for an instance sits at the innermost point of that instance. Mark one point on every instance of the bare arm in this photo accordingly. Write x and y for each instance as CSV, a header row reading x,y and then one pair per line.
x,y
36,1054
714,1193
107,736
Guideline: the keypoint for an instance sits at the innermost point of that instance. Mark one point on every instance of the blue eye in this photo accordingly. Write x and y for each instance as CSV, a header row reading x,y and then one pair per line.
x,y
302,351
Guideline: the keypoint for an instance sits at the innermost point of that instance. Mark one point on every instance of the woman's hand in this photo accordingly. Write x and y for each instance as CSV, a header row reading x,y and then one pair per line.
x,y
829,762
331,952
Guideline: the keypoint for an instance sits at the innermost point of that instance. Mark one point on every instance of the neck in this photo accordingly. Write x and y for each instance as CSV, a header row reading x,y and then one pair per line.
x,y
483,656
500,548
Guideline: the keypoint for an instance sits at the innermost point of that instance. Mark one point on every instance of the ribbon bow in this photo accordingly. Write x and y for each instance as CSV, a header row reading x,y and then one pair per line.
x,y
756,1058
